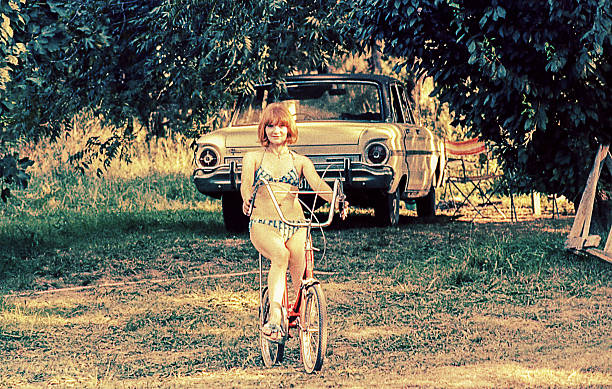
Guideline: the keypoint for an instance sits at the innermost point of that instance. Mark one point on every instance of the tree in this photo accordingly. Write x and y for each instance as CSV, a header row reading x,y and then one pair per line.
x,y
12,167
533,77
166,65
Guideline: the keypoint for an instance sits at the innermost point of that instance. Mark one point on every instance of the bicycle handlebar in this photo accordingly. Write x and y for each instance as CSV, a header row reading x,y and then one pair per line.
x,y
337,194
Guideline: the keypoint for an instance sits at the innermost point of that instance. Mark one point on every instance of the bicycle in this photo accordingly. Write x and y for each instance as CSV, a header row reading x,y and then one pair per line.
x,y
308,313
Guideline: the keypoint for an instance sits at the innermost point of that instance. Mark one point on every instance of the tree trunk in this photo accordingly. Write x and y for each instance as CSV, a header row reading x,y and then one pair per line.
x,y
375,59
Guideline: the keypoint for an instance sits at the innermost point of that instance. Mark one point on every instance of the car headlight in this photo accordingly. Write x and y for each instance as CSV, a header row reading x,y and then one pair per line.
x,y
377,153
208,157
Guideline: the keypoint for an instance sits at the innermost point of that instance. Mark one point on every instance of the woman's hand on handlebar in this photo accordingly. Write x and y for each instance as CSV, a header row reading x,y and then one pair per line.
x,y
246,207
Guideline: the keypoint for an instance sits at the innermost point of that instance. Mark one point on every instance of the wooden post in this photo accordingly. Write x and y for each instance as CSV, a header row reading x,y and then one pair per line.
x,y
555,207
579,238
588,197
536,205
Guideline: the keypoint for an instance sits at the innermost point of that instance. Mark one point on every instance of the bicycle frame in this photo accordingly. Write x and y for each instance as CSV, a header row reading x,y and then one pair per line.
x,y
294,310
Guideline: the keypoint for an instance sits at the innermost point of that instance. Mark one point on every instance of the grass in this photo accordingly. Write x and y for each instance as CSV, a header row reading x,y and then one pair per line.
x,y
436,304
442,303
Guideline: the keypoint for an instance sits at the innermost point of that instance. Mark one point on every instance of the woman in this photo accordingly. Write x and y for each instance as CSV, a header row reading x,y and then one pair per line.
x,y
282,244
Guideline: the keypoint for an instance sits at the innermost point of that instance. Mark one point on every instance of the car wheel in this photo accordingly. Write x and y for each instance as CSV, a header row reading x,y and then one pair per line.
x,y
386,209
426,206
234,219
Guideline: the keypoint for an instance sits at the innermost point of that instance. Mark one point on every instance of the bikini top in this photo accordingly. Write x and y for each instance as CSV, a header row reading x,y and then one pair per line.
x,y
291,177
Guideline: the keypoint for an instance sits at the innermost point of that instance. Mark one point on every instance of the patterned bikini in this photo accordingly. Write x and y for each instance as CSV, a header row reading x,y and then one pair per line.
x,y
292,178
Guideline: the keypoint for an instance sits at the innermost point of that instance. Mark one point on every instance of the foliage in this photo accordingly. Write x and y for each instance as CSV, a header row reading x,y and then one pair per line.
x,y
13,173
533,77
165,65
12,167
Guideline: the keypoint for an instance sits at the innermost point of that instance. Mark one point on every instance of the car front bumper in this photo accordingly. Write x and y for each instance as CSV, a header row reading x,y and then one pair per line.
x,y
354,175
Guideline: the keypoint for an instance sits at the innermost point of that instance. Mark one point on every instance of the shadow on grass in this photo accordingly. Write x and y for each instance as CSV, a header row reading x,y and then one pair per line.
x,y
65,229
358,221
64,244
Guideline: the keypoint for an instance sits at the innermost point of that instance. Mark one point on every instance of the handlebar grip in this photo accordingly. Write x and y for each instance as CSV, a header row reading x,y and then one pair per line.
x,y
343,207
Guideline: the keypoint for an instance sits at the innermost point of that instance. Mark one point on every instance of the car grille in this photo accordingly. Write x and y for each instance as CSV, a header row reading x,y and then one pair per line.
x,y
316,159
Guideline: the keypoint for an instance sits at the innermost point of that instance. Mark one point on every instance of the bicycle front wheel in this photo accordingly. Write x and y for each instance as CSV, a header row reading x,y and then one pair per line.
x,y
271,352
313,329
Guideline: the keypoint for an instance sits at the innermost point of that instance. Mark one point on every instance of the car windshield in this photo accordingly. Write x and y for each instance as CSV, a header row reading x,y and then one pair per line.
x,y
313,101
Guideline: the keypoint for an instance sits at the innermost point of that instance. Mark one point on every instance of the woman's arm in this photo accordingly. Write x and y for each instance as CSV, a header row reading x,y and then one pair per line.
x,y
246,179
315,181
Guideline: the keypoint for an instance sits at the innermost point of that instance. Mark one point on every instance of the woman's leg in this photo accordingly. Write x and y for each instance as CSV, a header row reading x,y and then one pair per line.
x,y
271,245
297,258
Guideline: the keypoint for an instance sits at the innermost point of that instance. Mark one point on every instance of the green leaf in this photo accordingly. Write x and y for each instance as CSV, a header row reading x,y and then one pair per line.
x,y
472,47
9,105
501,12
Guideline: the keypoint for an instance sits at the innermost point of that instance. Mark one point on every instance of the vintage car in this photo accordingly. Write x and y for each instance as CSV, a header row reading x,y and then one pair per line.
x,y
356,127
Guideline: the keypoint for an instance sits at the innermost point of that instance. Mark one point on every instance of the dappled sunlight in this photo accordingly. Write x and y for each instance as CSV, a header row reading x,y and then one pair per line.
x,y
73,308
208,204
217,298
507,375
279,376
342,291
229,243
468,376
362,333
86,380
52,312
507,323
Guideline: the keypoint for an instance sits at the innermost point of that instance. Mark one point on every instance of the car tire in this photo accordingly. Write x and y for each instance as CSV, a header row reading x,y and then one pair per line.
x,y
234,219
426,206
386,209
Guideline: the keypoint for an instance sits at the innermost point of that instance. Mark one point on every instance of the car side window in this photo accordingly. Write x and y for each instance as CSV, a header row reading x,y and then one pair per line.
x,y
406,104
396,103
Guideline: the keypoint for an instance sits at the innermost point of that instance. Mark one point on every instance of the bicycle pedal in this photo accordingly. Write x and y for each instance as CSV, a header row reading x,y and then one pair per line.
x,y
307,283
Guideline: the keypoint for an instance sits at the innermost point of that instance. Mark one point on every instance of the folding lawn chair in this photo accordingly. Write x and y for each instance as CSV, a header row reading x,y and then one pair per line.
x,y
469,174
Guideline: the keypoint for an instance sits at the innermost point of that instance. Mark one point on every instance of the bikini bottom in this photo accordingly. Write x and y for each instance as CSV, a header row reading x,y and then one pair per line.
x,y
285,231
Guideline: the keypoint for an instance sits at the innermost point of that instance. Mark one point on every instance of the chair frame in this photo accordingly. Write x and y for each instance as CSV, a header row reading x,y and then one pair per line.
x,y
458,151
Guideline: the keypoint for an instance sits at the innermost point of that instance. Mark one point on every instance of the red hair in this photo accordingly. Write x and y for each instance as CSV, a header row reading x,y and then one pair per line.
x,y
277,114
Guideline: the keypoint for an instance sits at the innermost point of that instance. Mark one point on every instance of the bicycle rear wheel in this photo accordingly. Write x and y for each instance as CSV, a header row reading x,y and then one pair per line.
x,y
313,331
271,352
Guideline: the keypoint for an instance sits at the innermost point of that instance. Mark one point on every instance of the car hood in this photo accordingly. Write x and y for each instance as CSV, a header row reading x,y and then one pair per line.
x,y
327,133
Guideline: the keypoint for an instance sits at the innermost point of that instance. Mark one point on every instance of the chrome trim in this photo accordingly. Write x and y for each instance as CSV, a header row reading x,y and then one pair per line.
x,y
315,158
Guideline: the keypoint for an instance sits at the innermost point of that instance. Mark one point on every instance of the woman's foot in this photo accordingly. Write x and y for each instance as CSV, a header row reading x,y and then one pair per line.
x,y
273,330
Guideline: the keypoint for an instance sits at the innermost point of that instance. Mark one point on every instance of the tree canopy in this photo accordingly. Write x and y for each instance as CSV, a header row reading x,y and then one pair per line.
x,y
533,77
161,63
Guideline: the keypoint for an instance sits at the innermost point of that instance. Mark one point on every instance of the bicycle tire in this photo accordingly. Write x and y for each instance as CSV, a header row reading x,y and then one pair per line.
x,y
313,329
271,352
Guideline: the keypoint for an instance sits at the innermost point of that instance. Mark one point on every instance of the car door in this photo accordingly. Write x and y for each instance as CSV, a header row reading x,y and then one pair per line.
x,y
417,143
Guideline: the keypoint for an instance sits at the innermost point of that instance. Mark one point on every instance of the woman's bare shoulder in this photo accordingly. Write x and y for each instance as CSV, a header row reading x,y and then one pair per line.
x,y
302,159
